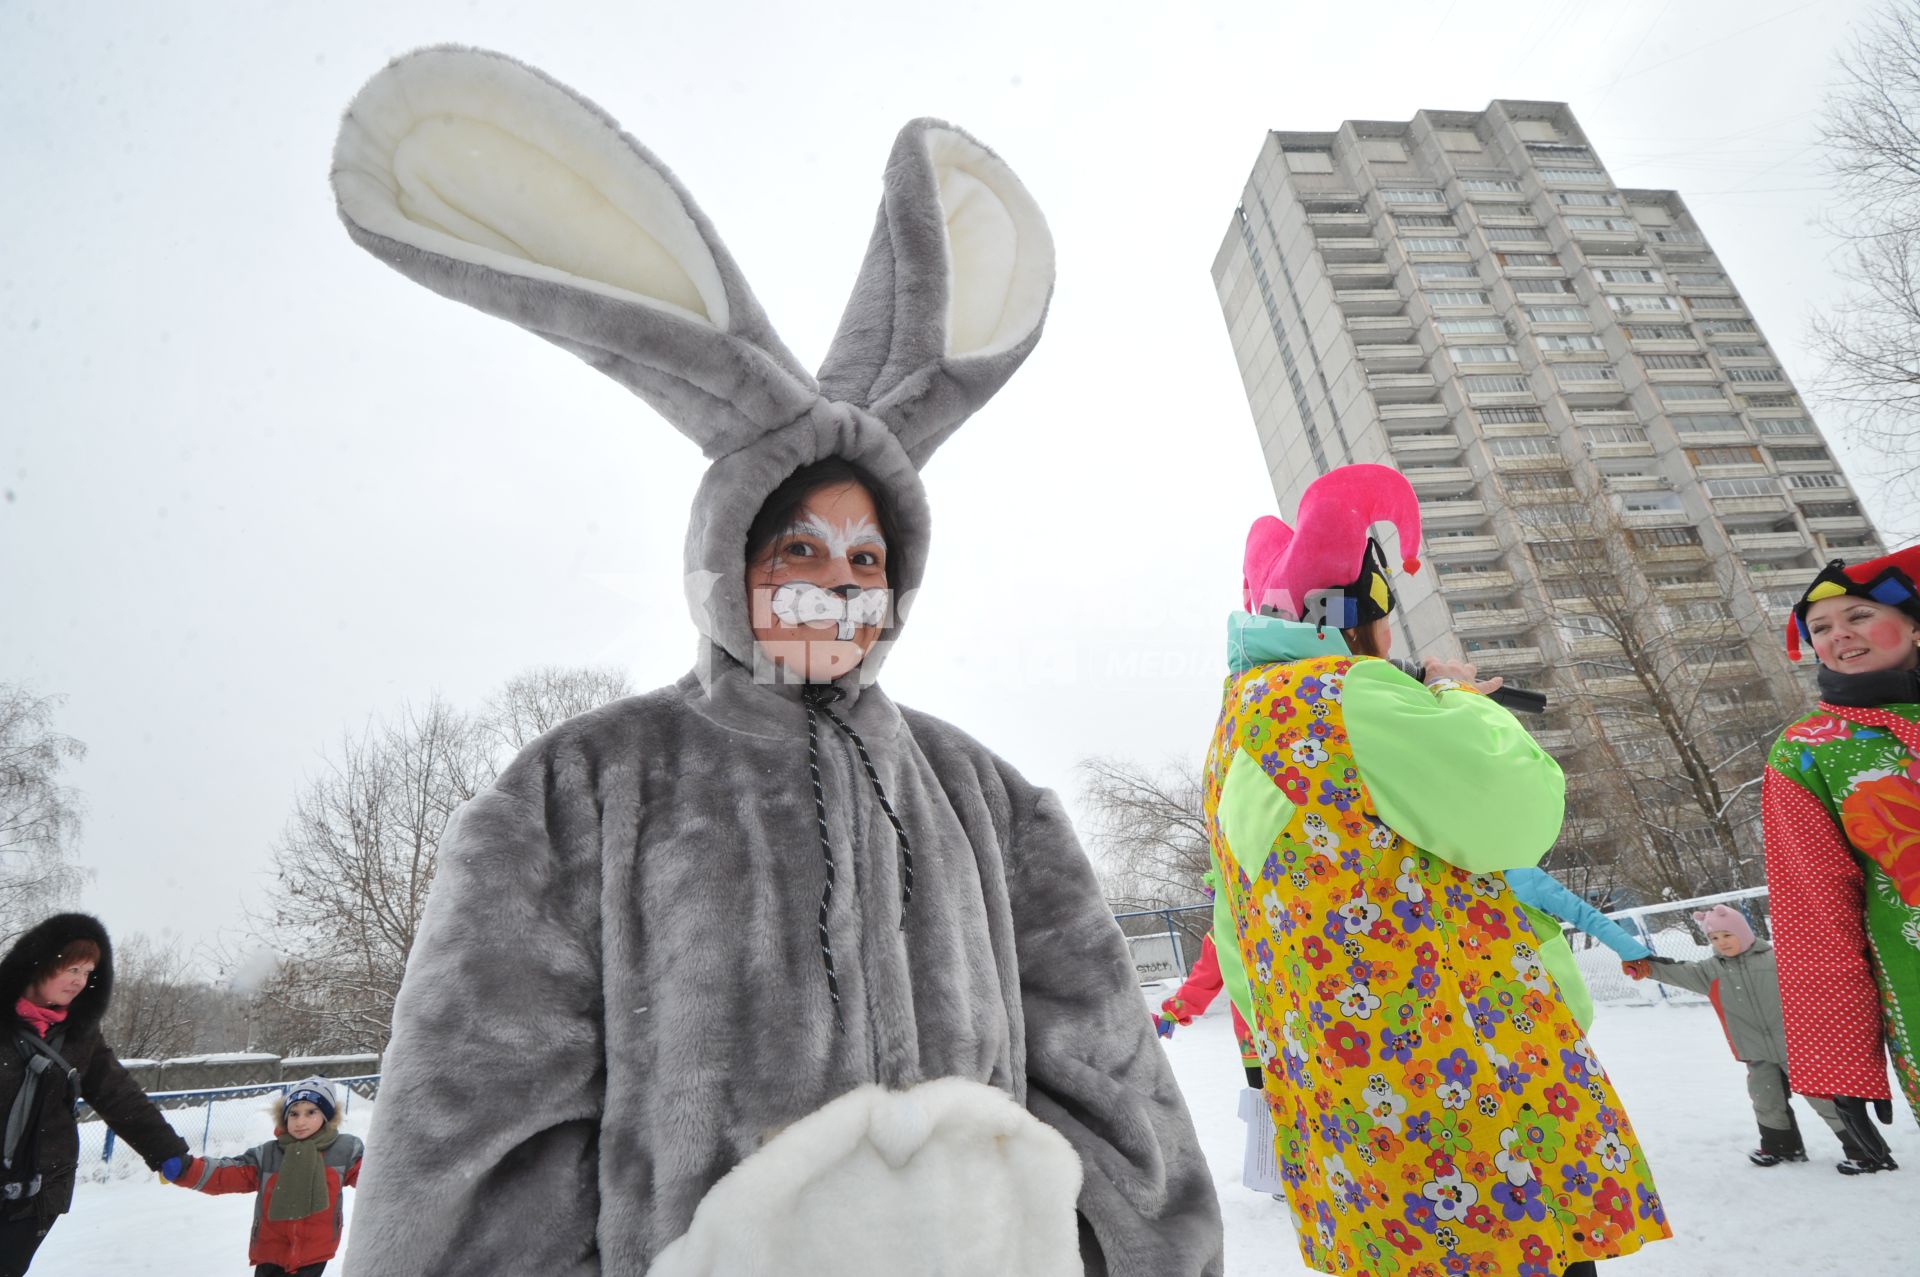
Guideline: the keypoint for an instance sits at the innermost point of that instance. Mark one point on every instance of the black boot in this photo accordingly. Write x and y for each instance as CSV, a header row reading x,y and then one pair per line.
x,y
1867,1152
1779,1146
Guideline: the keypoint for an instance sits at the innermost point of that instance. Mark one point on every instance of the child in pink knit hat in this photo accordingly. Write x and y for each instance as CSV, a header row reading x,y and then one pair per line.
x,y
1742,981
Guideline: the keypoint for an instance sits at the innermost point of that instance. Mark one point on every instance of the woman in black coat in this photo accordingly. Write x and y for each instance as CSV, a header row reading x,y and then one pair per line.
x,y
60,977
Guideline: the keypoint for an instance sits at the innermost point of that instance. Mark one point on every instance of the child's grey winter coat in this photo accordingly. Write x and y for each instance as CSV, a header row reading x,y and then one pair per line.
x,y
1745,992
620,989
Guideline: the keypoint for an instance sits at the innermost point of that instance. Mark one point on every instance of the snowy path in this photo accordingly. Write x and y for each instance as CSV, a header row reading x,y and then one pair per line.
x,y
1686,1094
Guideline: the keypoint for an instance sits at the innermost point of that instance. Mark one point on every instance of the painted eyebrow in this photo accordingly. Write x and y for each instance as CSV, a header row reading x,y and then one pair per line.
x,y
848,535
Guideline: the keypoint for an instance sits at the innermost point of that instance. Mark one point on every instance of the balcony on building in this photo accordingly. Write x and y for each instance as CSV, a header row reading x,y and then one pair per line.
x,y
1590,238
1491,621
1368,330
1838,492
1412,447
1476,583
1553,739
1340,225
1739,510
1401,387
1367,301
1676,241
1414,416
1590,394
1435,482
1359,248
1698,437
1506,660
1779,577
1443,515
1856,523
1474,546
1380,357
1375,274
1667,554
1768,545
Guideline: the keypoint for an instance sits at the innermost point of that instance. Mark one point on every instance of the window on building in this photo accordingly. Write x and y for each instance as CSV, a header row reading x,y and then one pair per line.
x,y
1505,185
1673,362
1522,445
1422,244
1483,354
1442,297
1475,324
1784,426
1510,416
1587,199
1445,270
1664,538
1829,510
1631,303
1411,195
1585,372
1601,223
1711,422
1629,275
1514,234
1527,259
1690,577
1571,175
1566,342
1755,374
1724,456
1713,303
1688,394
1705,279
1649,502
1818,480
1536,287
1727,326
1558,314
1800,454
1574,626
1657,332
1742,352
1538,481
1742,488
1770,401
1557,152
1568,589
1612,434
1496,385
1423,221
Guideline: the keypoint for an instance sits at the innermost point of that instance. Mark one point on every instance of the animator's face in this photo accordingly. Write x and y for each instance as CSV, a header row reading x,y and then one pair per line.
x,y
63,986
818,593
304,1119
1859,636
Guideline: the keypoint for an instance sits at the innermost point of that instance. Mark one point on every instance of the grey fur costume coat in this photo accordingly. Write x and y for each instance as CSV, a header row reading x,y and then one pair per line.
x,y
619,992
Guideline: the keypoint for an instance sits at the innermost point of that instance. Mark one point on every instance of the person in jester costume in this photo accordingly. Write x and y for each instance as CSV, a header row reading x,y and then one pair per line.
x,y
1841,804
1437,1107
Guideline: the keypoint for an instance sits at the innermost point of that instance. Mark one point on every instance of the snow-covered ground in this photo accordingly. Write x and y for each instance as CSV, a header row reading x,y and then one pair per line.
x,y
1686,1094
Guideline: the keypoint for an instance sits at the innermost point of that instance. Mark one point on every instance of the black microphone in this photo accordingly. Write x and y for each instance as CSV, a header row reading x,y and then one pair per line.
x,y
1519,700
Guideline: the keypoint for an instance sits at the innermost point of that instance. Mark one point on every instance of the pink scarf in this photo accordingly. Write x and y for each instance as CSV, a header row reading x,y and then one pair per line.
x,y
41,1018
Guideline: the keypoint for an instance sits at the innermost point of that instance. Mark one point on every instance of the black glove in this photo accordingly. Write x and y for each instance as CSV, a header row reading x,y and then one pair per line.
x,y
1861,1132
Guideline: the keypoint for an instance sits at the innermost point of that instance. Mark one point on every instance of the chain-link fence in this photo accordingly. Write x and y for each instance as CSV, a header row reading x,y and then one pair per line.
x,y
219,1122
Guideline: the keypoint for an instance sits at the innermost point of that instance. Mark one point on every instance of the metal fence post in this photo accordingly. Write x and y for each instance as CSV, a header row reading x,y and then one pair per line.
x,y
106,1151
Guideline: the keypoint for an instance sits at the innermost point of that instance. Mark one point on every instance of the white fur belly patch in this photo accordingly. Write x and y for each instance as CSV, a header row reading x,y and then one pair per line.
x,y
949,1179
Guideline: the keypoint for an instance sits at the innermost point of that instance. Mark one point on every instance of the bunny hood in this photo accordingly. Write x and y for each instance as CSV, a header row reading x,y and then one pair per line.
x,y
497,186
685,930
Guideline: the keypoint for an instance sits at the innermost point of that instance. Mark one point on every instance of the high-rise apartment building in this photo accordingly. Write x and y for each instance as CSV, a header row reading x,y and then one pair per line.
x,y
1622,492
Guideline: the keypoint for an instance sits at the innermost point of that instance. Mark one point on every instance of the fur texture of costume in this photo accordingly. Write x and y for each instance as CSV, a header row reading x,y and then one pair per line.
x,y
623,947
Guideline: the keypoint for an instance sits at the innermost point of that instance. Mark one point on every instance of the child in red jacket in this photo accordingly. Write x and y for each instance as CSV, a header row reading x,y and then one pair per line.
x,y
299,1175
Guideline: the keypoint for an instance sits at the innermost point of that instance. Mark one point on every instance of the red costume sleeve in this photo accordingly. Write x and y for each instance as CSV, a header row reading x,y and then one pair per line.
x,y
1827,992
1197,994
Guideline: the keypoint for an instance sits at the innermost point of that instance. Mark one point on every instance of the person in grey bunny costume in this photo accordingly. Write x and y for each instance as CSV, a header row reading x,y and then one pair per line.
x,y
747,974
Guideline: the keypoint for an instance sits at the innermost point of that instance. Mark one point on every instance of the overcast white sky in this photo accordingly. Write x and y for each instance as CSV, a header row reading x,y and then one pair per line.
x,y
256,488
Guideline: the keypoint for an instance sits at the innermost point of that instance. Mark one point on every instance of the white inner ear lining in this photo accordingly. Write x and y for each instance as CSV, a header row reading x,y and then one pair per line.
x,y
999,251
477,158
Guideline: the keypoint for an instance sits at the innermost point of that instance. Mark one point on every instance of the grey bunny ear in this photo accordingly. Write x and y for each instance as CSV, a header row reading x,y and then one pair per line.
x,y
953,291
497,186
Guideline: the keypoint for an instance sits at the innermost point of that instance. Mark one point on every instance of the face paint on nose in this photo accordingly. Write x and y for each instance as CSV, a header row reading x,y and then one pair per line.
x,y
800,603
